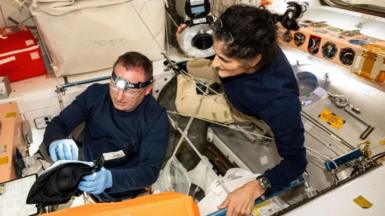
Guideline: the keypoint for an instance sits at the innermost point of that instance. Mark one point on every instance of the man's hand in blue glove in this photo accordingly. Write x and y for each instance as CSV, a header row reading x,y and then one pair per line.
x,y
64,149
97,182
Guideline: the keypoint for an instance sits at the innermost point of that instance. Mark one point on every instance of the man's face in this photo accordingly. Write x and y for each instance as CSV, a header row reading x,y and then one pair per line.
x,y
128,100
228,67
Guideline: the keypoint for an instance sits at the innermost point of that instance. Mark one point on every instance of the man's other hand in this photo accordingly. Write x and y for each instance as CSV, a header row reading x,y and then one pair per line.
x,y
64,149
97,182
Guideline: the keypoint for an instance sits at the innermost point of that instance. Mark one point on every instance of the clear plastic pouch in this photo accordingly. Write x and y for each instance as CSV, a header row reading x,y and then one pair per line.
x,y
173,177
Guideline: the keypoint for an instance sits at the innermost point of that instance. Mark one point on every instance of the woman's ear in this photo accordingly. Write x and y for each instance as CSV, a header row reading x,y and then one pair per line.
x,y
252,64
255,61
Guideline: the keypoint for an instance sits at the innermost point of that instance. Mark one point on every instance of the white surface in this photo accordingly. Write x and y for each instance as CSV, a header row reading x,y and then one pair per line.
x,y
369,25
340,200
367,96
12,202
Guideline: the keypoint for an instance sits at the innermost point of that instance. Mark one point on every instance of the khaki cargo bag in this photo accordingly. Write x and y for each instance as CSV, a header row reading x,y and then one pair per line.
x,y
87,35
207,107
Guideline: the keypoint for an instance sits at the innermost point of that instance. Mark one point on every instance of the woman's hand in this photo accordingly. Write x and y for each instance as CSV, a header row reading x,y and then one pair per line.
x,y
179,30
241,200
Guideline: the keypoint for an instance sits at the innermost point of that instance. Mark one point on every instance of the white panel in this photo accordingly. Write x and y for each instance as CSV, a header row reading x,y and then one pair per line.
x,y
340,200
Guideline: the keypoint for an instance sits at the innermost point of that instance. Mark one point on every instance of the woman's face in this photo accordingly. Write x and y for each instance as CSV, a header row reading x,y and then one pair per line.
x,y
228,67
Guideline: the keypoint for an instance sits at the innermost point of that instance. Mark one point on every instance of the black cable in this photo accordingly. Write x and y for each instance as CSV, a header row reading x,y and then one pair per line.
x,y
377,156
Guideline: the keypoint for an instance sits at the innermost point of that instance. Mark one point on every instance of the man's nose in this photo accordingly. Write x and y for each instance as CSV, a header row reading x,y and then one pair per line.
x,y
120,94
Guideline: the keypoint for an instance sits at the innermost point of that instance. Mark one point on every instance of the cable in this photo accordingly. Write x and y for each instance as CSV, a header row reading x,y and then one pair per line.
x,y
319,156
25,20
172,19
148,28
326,130
227,126
377,156
324,144
189,77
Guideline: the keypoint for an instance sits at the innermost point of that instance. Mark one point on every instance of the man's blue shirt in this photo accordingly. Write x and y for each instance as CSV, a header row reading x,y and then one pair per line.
x,y
142,132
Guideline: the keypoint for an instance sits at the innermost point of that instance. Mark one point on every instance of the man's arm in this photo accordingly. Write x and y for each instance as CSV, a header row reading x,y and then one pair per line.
x,y
63,124
152,150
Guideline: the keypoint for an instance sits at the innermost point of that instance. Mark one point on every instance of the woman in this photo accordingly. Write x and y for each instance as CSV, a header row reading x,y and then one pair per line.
x,y
259,82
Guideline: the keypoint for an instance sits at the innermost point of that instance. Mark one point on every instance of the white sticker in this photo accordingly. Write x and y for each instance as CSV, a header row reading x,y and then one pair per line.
x,y
357,62
34,55
196,2
113,155
319,92
29,42
264,160
200,20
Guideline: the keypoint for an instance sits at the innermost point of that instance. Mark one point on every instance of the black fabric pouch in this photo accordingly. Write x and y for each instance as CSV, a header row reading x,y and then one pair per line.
x,y
59,184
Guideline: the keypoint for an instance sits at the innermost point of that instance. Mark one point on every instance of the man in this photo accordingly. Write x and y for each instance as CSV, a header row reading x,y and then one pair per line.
x,y
123,123
259,82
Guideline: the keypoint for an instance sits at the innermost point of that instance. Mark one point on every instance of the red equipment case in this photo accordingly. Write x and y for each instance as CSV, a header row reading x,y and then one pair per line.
x,y
20,56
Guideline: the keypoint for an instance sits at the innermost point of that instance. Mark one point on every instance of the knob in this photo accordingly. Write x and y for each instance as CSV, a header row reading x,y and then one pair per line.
x,y
314,44
299,38
347,56
329,50
287,37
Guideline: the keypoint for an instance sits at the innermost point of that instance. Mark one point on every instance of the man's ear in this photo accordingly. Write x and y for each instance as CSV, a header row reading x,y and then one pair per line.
x,y
148,89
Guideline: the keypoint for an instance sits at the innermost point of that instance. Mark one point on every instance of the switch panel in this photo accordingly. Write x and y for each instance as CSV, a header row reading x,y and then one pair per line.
x,y
42,122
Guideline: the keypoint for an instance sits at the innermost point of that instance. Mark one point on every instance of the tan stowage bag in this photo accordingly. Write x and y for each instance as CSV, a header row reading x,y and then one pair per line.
x,y
210,107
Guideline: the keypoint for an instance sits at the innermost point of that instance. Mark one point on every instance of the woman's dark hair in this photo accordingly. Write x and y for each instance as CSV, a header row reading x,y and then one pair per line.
x,y
248,31
135,59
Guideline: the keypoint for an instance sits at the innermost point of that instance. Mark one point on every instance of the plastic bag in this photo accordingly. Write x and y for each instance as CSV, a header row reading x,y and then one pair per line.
x,y
173,177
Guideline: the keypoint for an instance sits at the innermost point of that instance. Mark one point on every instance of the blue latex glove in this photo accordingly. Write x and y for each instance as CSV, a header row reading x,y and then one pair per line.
x,y
64,149
97,182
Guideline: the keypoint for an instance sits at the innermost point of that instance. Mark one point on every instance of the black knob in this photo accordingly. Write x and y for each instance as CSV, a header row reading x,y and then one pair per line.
x,y
299,39
329,50
347,56
314,44
287,37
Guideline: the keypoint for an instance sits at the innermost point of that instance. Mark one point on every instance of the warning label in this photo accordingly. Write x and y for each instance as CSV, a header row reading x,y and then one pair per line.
x,y
331,118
